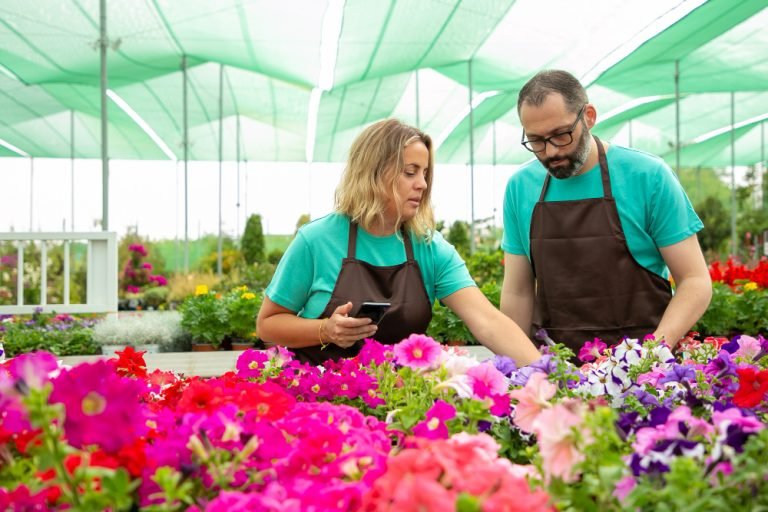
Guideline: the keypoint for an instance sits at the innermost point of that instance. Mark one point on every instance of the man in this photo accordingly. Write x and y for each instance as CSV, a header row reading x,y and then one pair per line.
x,y
588,254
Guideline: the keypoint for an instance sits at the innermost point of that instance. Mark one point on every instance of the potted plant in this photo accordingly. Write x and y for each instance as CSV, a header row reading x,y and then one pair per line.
x,y
205,317
150,332
242,308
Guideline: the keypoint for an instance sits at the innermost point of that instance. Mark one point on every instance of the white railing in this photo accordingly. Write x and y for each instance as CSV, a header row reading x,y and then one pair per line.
x,y
101,287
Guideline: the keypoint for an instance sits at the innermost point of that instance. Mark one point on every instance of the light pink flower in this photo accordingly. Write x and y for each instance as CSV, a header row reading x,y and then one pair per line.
x,y
418,351
554,429
532,400
624,487
749,347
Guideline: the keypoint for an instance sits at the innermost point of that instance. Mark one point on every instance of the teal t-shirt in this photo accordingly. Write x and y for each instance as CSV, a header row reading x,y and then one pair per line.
x,y
653,207
307,273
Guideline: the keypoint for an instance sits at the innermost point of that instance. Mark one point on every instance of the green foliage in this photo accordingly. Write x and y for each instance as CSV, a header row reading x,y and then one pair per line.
x,y
717,228
242,307
486,266
447,327
458,236
304,218
205,318
230,259
252,243
274,256
156,297
19,339
256,277
743,311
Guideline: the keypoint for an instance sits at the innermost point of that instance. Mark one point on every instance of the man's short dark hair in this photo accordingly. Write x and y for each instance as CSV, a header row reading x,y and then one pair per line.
x,y
536,90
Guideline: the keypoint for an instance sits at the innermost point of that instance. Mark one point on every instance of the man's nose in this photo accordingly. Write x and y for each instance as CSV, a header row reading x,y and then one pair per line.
x,y
551,150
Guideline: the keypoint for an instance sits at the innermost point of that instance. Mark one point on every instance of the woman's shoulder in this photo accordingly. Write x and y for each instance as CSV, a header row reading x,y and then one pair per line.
x,y
331,223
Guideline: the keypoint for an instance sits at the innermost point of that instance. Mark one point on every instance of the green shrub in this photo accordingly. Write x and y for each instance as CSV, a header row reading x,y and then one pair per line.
x,y
252,243
19,339
485,266
734,311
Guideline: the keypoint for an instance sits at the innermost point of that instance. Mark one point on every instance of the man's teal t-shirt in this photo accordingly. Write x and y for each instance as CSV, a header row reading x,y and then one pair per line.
x,y
307,273
653,207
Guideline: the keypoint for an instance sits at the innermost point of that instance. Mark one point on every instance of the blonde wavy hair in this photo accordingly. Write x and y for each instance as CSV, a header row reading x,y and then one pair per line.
x,y
370,176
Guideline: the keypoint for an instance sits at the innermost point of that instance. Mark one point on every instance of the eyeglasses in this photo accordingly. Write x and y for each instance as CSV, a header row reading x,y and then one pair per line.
x,y
558,140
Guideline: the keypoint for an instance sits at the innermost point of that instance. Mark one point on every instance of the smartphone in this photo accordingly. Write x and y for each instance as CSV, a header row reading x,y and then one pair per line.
x,y
373,310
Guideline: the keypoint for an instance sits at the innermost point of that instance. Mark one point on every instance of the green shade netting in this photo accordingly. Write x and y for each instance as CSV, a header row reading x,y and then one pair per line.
x,y
271,55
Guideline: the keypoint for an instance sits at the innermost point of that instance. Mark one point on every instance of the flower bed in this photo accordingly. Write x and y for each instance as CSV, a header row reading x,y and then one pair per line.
x,y
410,427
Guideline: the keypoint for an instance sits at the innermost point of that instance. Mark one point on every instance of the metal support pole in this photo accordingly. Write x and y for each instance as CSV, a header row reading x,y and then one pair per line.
x,y
630,133
31,192
221,157
762,163
733,175
72,169
677,117
418,105
104,118
471,162
237,159
186,162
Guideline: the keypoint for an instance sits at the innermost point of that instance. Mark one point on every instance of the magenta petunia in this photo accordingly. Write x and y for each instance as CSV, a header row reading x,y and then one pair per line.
x,y
434,427
102,408
418,351
592,350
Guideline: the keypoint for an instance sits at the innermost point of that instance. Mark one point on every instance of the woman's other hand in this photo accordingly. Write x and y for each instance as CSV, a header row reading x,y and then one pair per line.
x,y
344,330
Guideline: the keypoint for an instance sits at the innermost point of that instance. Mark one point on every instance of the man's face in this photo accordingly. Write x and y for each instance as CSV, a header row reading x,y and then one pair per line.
x,y
552,119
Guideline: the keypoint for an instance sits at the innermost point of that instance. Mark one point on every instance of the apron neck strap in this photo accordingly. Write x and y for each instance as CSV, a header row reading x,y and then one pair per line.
x,y
603,173
352,242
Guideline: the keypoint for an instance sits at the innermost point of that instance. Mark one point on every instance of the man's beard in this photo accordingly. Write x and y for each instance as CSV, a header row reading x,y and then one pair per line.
x,y
575,161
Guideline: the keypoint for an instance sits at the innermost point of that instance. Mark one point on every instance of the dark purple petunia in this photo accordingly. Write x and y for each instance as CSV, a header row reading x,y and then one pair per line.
x,y
658,416
678,373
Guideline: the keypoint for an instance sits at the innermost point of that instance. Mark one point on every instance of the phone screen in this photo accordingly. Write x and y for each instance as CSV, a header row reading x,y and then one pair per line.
x,y
373,310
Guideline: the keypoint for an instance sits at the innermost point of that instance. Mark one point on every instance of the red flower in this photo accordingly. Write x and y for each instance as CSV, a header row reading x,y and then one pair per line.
x,y
130,363
199,397
753,387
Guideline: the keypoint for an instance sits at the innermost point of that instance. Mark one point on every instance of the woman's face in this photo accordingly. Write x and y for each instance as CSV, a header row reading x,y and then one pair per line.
x,y
410,183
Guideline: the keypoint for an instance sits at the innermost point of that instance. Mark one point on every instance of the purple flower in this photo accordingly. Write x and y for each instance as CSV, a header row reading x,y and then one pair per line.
x,y
506,365
678,373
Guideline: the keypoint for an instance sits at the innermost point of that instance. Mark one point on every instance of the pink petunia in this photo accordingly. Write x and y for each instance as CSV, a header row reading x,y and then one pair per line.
x,y
486,380
592,350
434,427
532,400
418,351
554,429
96,401
624,487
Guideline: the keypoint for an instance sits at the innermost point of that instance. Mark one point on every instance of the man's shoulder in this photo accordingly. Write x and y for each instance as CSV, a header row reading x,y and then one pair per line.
x,y
636,159
529,172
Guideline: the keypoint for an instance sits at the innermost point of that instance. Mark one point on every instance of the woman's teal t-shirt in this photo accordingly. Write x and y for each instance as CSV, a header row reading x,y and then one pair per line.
x,y
653,207
307,273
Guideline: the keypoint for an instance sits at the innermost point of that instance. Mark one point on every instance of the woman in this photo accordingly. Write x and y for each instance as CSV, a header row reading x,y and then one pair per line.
x,y
356,254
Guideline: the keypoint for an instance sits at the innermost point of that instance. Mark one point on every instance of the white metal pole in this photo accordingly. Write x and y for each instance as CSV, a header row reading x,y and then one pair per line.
x,y
104,118
733,175
221,157
471,162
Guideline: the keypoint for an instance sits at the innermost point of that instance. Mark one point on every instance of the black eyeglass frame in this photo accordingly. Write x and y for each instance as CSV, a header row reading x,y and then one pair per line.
x,y
548,140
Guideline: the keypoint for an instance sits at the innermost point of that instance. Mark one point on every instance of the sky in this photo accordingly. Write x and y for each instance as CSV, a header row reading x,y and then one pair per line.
x,y
149,195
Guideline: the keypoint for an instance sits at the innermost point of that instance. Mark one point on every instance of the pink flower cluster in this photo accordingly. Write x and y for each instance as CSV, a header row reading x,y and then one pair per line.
x,y
433,474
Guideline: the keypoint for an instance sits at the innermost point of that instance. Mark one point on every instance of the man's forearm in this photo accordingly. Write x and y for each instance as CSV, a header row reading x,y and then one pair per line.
x,y
690,301
519,308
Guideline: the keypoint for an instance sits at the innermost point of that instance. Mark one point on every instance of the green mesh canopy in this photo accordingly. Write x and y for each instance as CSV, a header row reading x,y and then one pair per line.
x,y
251,67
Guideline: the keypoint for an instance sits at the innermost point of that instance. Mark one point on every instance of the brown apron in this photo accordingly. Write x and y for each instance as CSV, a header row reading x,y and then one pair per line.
x,y
400,285
588,284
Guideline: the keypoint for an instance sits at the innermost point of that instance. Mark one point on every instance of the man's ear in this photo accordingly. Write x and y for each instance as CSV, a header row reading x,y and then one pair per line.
x,y
590,115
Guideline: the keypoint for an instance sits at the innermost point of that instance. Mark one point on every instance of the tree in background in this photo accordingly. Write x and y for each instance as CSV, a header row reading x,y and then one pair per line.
x,y
458,236
717,227
252,243
303,219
